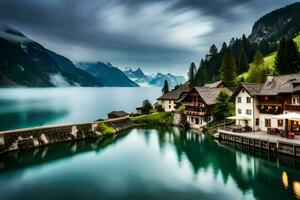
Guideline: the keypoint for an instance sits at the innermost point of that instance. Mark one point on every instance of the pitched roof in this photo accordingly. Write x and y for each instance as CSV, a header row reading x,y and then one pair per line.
x,y
209,95
253,89
280,84
118,113
214,85
175,94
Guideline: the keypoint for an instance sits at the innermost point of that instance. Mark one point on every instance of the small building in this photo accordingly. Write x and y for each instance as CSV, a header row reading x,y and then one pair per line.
x,y
117,114
200,101
171,99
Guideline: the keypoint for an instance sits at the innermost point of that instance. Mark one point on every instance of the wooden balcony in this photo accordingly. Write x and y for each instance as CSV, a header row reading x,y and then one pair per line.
x,y
194,104
195,113
270,109
289,107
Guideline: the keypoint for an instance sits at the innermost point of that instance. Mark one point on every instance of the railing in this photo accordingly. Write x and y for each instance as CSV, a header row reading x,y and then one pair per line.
x,y
195,113
194,104
236,129
291,107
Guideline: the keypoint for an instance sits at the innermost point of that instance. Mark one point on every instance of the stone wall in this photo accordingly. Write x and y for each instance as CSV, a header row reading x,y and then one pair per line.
x,y
40,136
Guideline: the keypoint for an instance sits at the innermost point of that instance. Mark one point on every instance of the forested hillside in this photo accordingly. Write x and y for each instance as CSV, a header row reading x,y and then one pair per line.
x,y
237,57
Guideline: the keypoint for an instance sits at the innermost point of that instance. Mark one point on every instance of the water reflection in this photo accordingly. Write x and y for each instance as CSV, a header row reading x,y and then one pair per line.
x,y
153,163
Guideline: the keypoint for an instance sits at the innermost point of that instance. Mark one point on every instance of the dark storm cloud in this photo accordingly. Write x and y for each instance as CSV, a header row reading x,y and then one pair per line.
x,y
155,34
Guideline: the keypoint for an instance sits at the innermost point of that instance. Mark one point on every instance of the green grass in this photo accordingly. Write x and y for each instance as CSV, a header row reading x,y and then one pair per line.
x,y
157,117
106,129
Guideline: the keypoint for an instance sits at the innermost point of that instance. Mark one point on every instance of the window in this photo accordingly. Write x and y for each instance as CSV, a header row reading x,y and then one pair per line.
x,y
239,111
248,99
243,91
170,102
169,106
295,100
280,123
197,120
257,121
239,99
267,122
248,112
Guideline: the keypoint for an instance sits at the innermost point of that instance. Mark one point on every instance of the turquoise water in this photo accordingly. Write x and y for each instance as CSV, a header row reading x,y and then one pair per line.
x,y
146,163
27,107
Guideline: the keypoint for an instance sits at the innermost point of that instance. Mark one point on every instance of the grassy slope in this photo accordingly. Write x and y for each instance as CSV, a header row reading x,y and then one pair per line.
x,y
270,59
157,117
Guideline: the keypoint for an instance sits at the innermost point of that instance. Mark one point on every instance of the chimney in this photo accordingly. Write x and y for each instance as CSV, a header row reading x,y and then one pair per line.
x,y
269,78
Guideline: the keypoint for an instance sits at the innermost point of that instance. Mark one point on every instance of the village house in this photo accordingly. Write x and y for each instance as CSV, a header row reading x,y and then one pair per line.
x,y
200,101
272,106
170,100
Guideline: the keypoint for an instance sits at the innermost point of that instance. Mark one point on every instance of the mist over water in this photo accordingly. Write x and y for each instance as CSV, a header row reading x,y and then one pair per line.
x,y
28,107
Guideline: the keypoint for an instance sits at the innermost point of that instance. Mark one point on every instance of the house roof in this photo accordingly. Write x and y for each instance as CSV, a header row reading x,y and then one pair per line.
x,y
253,89
280,84
214,85
175,94
209,95
118,113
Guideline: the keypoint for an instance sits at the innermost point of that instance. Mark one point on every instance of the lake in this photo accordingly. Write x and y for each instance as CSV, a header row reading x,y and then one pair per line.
x,y
28,107
145,163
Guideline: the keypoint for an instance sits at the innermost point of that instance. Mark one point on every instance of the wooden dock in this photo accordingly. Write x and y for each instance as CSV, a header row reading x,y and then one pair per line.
x,y
264,141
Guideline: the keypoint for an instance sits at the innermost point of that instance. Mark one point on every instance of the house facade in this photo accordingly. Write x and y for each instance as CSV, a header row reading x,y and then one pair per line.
x,y
258,105
199,103
170,100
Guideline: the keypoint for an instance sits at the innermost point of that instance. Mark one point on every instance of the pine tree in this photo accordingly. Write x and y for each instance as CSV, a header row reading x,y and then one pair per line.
x,y
287,58
243,64
165,89
257,71
222,108
228,69
200,77
191,74
213,50
224,47
293,65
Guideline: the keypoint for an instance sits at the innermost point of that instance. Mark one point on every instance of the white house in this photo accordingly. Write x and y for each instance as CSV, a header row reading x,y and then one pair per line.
x,y
169,100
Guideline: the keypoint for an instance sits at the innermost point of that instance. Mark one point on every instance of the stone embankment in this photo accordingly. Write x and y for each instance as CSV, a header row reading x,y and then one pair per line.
x,y
45,135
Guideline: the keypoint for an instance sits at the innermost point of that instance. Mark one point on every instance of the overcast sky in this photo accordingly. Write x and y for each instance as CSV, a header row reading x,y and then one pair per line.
x,y
156,35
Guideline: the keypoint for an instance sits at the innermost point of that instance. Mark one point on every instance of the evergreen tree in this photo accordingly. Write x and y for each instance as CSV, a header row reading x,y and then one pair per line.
x,y
228,69
191,74
293,65
257,71
224,47
222,109
200,77
287,58
165,89
213,50
243,64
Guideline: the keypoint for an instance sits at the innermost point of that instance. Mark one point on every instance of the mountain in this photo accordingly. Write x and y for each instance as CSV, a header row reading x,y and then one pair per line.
x,y
24,62
109,75
159,79
274,25
138,76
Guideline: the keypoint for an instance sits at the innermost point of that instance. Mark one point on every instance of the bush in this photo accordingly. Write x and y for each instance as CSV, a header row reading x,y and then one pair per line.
x,y
147,107
106,129
159,108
